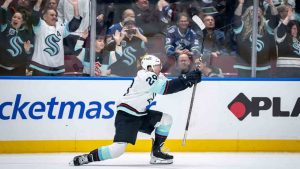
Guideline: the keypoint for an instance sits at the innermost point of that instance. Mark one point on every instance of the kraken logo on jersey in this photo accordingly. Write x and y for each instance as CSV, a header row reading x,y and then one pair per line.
x,y
259,44
51,41
296,46
15,43
129,56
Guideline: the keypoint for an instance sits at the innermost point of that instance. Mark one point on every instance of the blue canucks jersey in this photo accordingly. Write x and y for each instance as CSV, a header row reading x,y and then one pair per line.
x,y
178,40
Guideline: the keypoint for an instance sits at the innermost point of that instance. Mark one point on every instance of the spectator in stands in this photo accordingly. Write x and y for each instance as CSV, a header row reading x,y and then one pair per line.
x,y
152,19
243,31
208,70
16,43
66,13
180,39
18,5
118,27
48,56
288,40
23,6
111,11
213,40
130,47
53,4
101,57
282,11
106,11
292,4
183,65
184,6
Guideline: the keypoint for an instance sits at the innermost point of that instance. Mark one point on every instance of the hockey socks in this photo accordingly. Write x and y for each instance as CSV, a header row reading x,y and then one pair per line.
x,y
159,139
161,134
100,154
95,155
109,152
162,130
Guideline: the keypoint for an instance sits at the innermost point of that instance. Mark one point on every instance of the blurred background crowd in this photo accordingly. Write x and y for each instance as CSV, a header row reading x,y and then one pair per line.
x,y
52,37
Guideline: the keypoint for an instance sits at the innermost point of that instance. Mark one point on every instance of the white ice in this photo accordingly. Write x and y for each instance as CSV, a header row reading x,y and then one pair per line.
x,y
141,160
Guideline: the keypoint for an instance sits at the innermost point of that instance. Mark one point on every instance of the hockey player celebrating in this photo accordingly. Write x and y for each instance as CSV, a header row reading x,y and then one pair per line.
x,y
132,115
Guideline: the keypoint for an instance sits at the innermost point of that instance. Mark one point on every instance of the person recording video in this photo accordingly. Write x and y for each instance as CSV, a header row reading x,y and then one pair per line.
x,y
130,47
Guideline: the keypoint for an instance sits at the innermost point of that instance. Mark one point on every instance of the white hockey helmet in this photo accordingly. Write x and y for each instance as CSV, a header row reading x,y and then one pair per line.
x,y
150,60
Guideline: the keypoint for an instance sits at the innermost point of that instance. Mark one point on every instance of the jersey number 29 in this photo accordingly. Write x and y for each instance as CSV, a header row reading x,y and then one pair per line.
x,y
151,80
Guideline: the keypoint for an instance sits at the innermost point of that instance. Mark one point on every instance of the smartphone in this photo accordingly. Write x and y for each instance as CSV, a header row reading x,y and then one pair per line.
x,y
131,31
209,10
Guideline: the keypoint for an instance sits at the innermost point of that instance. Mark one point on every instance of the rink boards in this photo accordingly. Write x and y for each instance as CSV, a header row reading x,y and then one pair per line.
x,y
77,114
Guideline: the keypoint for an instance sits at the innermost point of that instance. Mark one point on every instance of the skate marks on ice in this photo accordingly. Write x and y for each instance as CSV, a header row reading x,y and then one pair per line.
x,y
141,160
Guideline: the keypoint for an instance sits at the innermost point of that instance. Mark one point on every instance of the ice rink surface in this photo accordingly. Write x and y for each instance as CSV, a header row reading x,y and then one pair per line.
x,y
141,160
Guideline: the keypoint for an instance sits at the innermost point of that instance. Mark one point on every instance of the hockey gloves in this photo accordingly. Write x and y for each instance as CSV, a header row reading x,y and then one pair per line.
x,y
191,78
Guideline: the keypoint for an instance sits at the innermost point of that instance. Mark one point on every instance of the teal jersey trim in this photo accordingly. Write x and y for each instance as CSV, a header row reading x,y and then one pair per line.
x,y
46,71
239,29
7,67
159,86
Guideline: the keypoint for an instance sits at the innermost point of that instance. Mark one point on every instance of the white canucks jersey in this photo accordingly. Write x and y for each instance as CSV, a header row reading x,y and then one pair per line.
x,y
142,92
48,56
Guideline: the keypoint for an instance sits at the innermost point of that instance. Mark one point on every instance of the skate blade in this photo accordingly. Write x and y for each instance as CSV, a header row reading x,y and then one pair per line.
x,y
160,161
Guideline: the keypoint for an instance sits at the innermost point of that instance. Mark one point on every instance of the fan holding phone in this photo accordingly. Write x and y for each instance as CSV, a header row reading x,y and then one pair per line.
x,y
130,47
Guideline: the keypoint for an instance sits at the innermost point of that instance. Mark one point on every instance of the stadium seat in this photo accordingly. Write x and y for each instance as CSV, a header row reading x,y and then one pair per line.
x,y
73,66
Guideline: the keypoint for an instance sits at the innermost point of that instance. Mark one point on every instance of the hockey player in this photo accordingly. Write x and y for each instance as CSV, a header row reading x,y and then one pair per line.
x,y
132,115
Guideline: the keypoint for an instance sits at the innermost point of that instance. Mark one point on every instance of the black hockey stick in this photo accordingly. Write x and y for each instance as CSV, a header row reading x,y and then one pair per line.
x,y
189,115
201,25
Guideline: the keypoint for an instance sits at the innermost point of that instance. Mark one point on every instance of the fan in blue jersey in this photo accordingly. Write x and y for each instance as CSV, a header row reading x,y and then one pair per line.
x,y
133,116
181,39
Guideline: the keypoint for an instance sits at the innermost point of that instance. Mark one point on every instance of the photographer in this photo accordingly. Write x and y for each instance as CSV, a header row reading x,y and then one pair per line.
x,y
130,47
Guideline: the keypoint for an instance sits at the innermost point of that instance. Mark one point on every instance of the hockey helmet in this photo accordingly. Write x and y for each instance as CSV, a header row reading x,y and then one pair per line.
x,y
150,60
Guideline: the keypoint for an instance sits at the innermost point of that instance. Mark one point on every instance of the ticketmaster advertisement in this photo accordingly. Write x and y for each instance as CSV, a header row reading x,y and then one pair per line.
x,y
66,109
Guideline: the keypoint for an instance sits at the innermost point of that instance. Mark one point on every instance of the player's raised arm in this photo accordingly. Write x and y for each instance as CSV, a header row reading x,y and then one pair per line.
x,y
183,82
152,64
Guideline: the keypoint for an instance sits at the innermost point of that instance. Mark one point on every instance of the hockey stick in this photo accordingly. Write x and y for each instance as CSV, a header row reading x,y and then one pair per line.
x,y
189,115
201,25
198,21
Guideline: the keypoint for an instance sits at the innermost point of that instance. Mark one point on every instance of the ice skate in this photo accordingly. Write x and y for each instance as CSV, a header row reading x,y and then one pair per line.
x,y
159,157
81,159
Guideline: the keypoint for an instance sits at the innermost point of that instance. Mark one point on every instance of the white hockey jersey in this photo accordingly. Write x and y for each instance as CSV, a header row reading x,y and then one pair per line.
x,y
48,56
142,92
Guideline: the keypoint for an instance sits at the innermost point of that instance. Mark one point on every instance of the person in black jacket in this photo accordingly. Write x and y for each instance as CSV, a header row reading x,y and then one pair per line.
x,y
16,43
243,31
288,41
